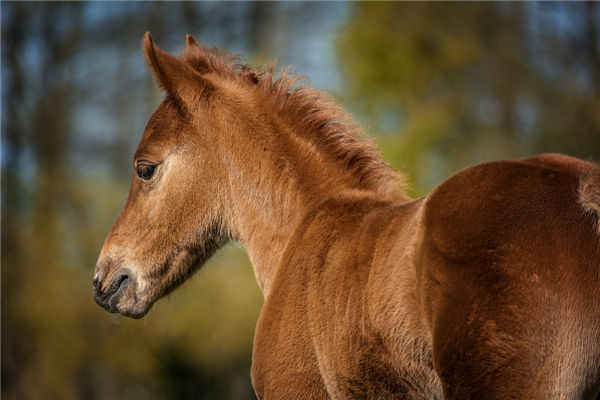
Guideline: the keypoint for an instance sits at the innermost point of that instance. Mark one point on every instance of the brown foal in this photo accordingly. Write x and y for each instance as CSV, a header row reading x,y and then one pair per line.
x,y
487,288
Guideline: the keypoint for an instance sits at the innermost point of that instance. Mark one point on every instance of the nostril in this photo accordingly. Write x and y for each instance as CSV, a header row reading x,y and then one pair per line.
x,y
122,278
95,283
110,296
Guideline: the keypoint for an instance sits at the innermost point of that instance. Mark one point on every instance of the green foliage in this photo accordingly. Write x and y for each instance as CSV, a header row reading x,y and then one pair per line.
x,y
447,85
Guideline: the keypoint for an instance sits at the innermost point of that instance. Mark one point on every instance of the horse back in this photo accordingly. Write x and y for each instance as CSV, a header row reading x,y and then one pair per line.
x,y
509,279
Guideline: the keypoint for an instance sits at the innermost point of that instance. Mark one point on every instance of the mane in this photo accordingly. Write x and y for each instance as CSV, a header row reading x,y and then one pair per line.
x,y
589,196
314,113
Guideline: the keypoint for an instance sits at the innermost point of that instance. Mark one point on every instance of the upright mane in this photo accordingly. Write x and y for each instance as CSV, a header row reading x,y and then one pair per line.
x,y
314,114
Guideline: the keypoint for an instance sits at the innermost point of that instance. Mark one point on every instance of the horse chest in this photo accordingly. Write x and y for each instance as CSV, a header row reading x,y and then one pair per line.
x,y
361,364
364,369
324,334
304,351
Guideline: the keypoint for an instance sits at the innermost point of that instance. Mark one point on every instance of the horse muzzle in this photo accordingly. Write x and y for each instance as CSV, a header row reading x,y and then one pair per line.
x,y
109,297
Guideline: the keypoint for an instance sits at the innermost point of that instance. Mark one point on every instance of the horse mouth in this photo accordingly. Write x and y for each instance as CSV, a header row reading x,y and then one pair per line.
x,y
109,299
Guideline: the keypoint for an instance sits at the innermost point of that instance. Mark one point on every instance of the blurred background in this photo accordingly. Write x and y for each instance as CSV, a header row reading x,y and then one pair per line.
x,y
441,86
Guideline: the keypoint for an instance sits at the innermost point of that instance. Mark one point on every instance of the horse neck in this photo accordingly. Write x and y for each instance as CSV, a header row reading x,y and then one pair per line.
x,y
274,180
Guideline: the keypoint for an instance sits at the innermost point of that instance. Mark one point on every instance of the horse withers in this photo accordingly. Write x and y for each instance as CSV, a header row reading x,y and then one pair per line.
x,y
487,288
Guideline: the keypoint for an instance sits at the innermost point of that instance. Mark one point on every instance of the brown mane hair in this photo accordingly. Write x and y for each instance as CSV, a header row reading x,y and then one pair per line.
x,y
315,115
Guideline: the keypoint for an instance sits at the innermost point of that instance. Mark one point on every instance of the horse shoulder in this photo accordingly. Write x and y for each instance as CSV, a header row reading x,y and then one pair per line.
x,y
335,308
285,358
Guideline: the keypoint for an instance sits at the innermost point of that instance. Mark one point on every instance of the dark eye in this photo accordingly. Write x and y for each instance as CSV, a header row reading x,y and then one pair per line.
x,y
145,170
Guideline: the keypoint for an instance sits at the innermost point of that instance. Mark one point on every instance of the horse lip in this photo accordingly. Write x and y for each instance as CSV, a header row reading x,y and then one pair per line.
x,y
114,299
109,299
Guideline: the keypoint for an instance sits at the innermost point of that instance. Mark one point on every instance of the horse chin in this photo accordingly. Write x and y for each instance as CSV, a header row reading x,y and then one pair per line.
x,y
135,313
131,305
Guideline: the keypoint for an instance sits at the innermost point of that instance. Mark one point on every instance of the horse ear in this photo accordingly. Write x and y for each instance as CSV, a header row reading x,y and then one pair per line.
x,y
173,76
190,42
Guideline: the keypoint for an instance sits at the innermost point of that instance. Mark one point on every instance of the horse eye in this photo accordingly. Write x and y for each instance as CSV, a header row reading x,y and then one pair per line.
x,y
145,171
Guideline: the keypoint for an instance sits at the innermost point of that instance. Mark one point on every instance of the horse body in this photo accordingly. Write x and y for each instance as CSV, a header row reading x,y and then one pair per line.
x,y
489,287
436,279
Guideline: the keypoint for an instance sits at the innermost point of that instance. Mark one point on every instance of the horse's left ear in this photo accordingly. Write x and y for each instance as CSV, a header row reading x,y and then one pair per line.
x,y
174,76
190,42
